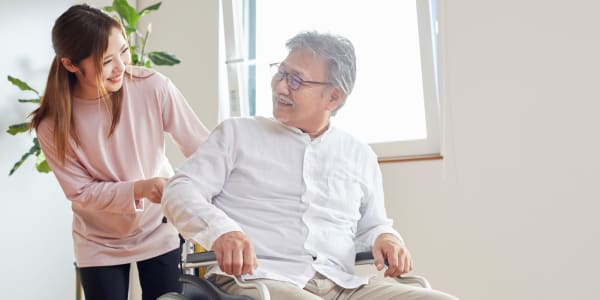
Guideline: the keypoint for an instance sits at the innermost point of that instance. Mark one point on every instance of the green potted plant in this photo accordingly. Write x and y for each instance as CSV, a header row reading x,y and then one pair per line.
x,y
140,57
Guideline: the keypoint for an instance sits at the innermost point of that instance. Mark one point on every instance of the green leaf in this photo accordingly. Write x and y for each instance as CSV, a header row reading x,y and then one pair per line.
x,y
35,100
126,12
108,9
129,30
161,58
31,151
150,8
135,59
18,128
41,164
22,85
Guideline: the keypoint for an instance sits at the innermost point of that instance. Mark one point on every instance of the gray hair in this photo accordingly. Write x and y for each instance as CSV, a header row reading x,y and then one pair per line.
x,y
337,50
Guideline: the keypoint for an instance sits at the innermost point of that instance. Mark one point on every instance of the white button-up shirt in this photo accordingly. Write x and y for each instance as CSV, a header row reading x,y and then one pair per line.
x,y
307,205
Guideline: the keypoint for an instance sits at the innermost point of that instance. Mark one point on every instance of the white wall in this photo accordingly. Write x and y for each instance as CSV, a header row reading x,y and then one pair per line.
x,y
510,213
36,253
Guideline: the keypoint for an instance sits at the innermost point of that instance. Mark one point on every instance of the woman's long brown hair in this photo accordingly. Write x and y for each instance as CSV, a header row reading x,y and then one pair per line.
x,y
80,32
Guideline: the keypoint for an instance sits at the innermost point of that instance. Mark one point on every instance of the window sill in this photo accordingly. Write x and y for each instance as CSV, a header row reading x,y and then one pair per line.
x,y
395,159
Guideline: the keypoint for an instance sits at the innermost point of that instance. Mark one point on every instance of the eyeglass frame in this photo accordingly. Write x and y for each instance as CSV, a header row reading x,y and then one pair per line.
x,y
280,75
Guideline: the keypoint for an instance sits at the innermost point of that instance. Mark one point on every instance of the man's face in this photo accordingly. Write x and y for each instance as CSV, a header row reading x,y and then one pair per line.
x,y
309,107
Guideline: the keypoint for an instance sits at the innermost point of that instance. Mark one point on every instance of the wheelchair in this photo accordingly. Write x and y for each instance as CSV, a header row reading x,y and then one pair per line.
x,y
198,288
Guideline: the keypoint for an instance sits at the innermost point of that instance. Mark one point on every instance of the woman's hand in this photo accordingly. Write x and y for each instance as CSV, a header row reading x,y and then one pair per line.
x,y
150,189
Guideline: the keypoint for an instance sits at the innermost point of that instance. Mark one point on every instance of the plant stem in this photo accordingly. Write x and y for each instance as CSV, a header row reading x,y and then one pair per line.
x,y
142,60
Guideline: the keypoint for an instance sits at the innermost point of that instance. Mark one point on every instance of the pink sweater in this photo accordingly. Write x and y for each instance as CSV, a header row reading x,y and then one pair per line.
x,y
109,227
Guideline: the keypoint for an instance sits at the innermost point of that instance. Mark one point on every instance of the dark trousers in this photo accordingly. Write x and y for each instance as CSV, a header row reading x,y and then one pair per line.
x,y
157,275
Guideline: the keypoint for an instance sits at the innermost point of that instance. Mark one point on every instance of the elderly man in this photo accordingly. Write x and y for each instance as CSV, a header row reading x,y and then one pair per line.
x,y
288,201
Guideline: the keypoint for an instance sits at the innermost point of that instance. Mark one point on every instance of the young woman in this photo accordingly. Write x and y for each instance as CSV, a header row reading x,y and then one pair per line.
x,y
101,125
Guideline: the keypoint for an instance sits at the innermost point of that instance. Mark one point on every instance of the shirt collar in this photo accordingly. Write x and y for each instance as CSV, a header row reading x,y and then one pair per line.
x,y
300,132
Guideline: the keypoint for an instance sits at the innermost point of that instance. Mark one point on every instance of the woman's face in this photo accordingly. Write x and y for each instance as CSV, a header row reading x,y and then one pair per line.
x,y
114,61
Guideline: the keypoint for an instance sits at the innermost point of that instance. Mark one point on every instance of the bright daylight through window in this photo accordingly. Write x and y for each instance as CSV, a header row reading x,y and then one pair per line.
x,y
394,105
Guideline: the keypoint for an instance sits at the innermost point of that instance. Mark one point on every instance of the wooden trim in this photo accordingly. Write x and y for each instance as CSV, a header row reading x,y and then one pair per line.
x,y
395,159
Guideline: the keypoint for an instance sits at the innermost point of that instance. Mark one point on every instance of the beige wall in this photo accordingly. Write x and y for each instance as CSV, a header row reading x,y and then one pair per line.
x,y
511,212
189,29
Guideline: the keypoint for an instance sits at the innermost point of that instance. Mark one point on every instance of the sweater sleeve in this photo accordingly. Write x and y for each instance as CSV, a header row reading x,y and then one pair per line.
x,y
81,188
188,196
180,121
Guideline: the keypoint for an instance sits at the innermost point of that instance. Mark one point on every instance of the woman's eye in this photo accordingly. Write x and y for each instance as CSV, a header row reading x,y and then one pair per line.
x,y
125,50
107,62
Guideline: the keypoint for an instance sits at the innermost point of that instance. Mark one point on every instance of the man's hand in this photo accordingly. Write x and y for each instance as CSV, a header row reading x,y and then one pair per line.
x,y
388,246
150,189
235,253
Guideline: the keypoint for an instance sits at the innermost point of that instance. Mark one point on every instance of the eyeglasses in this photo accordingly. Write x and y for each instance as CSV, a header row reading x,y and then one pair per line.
x,y
293,81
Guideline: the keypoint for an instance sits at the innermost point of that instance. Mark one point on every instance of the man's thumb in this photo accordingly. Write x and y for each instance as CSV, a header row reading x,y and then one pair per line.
x,y
378,256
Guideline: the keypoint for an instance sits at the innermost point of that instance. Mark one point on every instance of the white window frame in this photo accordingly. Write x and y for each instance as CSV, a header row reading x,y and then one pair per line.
x,y
431,145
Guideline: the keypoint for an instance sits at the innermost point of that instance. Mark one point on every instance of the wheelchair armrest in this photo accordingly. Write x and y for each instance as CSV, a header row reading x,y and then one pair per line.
x,y
366,258
200,259
208,258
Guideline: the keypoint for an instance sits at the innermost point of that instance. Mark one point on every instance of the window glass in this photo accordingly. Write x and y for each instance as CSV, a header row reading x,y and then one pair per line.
x,y
395,96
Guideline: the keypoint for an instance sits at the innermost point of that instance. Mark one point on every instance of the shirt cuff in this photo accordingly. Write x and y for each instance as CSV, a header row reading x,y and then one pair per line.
x,y
383,230
216,231
368,242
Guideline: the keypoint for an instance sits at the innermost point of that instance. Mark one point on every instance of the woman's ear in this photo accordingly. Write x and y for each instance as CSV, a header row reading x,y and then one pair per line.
x,y
69,65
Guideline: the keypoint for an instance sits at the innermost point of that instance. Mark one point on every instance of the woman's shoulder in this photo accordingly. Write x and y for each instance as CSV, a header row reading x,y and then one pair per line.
x,y
144,78
139,72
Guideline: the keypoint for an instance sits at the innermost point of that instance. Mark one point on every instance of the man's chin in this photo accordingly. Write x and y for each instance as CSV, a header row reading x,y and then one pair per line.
x,y
283,118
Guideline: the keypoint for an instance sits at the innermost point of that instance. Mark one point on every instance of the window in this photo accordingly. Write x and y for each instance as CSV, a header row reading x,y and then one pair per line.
x,y
394,105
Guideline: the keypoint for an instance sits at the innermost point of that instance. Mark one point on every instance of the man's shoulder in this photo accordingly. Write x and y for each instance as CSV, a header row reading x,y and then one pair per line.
x,y
242,130
351,142
348,137
247,123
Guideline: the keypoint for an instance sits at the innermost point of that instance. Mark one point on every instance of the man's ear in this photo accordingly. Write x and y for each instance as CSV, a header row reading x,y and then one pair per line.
x,y
69,65
336,98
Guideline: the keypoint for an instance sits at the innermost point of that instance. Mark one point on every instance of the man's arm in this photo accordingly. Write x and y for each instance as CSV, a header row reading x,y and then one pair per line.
x,y
187,203
375,229
374,220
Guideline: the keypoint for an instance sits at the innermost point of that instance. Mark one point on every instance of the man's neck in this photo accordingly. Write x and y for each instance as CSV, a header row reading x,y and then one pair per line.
x,y
319,131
